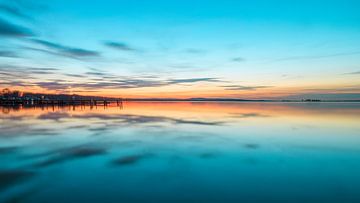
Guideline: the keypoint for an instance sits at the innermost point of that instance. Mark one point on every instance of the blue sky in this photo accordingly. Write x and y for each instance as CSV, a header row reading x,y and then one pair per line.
x,y
209,48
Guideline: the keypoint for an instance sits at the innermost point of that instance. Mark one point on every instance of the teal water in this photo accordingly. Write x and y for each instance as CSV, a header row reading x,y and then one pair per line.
x,y
181,152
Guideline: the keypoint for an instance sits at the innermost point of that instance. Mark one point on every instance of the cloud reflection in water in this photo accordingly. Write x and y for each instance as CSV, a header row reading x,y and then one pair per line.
x,y
161,147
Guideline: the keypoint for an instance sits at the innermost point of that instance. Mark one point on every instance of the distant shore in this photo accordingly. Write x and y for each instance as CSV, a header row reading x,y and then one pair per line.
x,y
85,101
16,97
236,100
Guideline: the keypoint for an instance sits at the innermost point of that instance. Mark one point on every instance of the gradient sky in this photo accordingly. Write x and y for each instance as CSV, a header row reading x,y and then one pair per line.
x,y
182,48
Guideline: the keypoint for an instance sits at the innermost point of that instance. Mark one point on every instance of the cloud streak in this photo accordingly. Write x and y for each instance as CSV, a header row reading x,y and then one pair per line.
x,y
245,88
353,73
292,58
119,46
124,83
193,80
12,10
20,76
8,54
238,59
62,50
95,79
13,75
10,30
354,88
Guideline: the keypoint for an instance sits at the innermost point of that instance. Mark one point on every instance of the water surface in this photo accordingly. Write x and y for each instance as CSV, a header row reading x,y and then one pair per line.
x,y
181,152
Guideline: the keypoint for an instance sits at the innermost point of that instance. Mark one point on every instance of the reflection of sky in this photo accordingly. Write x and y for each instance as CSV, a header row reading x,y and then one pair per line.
x,y
161,48
152,151
207,150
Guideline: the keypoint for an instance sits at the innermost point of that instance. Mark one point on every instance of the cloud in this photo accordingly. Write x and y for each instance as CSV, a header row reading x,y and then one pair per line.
x,y
353,73
23,72
119,82
119,46
53,85
8,54
75,75
12,10
318,56
21,75
45,51
138,83
15,83
238,59
354,88
44,69
192,80
96,73
14,75
10,30
241,87
62,50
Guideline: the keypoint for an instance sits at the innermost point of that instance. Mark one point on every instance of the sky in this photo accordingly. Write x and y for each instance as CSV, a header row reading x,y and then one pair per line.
x,y
182,48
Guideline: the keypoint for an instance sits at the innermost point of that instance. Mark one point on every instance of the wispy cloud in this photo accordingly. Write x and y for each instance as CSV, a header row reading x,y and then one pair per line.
x,y
353,73
354,88
75,75
103,82
22,69
192,80
245,88
8,54
45,69
119,46
10,30
308,57
21,75
238,59
63,50
14,11
96,73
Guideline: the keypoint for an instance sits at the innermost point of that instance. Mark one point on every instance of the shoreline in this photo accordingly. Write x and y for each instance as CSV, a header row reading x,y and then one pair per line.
x,y
10,103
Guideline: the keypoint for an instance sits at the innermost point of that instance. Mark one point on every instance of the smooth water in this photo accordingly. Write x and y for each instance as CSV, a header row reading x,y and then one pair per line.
x,y
181,152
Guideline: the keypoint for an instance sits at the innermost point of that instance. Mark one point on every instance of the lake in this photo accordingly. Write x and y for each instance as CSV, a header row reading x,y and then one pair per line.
x,y
181,152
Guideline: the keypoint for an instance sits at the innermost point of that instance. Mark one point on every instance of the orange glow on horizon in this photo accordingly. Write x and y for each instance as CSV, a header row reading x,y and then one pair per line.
x,y
194,92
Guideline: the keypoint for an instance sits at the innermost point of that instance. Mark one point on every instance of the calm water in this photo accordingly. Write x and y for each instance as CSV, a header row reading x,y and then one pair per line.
x,y
181,152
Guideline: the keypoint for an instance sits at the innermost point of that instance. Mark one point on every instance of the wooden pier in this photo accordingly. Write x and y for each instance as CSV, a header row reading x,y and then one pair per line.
x,y
56,102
